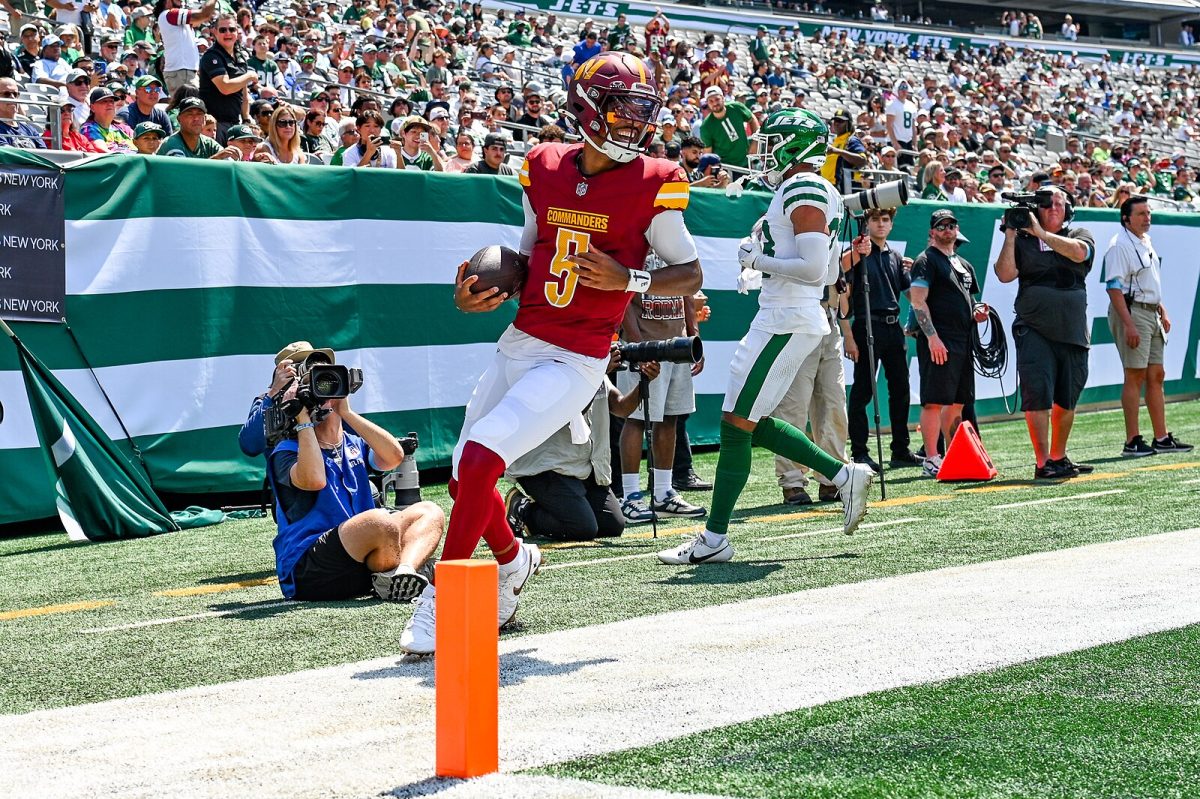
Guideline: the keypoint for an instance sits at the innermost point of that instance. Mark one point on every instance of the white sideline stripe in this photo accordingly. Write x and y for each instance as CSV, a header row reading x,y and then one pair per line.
x,y
109,256
1190,482
211,614
812,533
594,690
216,392
1088,495
530,786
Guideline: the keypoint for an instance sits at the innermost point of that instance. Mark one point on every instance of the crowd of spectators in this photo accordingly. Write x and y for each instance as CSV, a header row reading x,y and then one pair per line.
x,y
452,87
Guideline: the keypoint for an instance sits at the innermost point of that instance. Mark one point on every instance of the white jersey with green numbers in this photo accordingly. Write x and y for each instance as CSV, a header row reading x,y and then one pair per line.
x,y
777,237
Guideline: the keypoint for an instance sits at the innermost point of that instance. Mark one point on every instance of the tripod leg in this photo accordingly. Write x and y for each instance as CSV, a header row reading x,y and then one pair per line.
x,y
644,389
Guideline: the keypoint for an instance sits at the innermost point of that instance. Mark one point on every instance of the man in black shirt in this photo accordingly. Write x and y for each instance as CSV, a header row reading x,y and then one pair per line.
x,y
495,149
1051,263
533,115
888,277
942,285
225,75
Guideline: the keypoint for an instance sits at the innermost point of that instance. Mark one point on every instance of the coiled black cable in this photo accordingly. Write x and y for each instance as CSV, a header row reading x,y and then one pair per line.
x,y
991,358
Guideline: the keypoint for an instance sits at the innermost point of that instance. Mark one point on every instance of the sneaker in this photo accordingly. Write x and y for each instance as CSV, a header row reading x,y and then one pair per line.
x,y
828,493
796,496
1138,448
528,563
695,552
401,584
866,459
1055,470
854,495
904,459
931,466
675,505
690,482
1170,443
635,510
514,506
419,634
1082,468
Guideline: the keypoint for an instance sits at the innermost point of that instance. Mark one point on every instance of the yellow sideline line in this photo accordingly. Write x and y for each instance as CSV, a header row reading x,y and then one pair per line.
x,y
217,588
913,500
46,610
1167,467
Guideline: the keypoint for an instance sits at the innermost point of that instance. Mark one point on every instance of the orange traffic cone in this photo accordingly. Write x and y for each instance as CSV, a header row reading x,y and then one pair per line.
x,y
966,459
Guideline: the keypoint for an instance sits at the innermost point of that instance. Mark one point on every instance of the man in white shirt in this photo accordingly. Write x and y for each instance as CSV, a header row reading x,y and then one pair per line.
x,y
181,56
1139,325
51,69
901,119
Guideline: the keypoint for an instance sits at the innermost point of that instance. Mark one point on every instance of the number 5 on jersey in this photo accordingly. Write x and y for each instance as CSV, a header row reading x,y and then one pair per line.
x,y
561,291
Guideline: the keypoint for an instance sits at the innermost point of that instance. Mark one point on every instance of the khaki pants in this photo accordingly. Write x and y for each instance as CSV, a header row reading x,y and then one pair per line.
x,y
181,77
817,395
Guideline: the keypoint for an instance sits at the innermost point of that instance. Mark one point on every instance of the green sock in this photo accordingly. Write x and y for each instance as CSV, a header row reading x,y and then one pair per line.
x,y
733,469
786,440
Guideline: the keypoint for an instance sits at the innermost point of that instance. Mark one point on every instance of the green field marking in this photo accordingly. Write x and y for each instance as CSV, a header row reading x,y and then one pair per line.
x,y
953,524
1121,719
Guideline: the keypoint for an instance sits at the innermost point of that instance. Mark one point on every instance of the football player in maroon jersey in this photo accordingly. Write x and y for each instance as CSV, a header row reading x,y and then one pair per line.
x,y
592,212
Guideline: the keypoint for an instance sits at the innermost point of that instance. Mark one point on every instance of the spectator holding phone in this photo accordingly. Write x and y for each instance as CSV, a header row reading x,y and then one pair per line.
x,y
369,151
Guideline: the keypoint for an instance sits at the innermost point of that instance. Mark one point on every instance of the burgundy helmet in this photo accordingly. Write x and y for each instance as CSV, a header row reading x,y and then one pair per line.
x,y
610,88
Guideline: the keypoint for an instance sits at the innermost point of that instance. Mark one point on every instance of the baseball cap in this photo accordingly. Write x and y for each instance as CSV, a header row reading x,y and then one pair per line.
x,y
317,94
712,48
146,81
941,215
841,114
51,40
191,103
493,139
101,93
148,127
75,75
346,65
240,132
309,57
64,99
1133,162
888,151
415,121
299,350
438,113
28,26
713,91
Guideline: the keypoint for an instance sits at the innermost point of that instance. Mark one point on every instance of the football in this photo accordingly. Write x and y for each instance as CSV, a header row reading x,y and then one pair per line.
x,y
497,266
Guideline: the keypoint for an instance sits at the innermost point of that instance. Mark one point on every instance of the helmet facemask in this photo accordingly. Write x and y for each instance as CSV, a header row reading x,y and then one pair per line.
x,y
769,161
624,123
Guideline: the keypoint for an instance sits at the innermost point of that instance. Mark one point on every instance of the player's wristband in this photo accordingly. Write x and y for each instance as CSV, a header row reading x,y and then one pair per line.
x,y
304,426
639,281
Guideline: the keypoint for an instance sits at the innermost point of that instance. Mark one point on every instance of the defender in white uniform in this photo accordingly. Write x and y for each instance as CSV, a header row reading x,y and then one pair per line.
x,y
794,247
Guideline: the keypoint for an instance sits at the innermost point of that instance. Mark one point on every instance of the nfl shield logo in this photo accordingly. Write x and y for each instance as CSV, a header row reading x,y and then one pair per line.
x,y
581,189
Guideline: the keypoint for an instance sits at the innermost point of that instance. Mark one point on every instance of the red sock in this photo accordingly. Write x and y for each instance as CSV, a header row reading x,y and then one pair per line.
x,y
478,508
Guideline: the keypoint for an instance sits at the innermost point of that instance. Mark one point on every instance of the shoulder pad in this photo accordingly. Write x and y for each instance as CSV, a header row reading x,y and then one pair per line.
x,y
674,191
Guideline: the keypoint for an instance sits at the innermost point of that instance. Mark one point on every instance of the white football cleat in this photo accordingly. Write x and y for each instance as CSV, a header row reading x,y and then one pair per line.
x,y
527,564
401,584
420,633
854,495
696,552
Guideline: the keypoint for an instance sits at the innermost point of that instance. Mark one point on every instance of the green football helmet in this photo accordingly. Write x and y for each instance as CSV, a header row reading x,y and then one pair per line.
x,y
788,137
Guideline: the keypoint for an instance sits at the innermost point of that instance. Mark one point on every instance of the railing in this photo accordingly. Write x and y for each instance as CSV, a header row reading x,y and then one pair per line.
x,y
53,118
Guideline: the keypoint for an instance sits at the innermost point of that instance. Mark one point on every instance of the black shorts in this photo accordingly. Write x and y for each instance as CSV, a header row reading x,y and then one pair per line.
x,y
1051,373
327,572
952,383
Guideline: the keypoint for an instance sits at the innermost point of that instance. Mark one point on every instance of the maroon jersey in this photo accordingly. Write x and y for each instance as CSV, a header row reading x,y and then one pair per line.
x,y
609,212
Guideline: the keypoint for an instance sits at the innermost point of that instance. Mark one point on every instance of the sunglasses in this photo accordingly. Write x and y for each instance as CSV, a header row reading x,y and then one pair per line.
x,y
315,124
945,226
80,82
225,29
10,94
285,123
320,98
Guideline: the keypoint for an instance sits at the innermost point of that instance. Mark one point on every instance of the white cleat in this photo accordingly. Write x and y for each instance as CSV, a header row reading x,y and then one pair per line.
x,y
527,564
696,552
420,633
854,495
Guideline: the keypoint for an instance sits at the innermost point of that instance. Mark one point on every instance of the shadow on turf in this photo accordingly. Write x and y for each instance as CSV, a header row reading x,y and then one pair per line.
x,y
515,668
427,787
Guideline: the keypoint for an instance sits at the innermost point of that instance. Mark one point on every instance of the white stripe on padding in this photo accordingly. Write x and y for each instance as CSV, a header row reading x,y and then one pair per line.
x,y
110,256
64,448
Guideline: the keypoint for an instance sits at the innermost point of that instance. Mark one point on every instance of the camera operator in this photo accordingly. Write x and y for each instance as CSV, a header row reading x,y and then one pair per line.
x,y
566,485
941,293
671,395
1139,324
333,543
887,274
1050,261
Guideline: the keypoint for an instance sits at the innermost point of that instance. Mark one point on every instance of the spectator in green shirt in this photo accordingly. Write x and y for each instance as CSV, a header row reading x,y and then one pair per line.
x,y
619,33
139,30
189,142
724,131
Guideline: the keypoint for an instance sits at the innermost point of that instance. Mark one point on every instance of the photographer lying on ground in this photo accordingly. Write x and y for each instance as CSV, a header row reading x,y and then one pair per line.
x,y
567,485
333,543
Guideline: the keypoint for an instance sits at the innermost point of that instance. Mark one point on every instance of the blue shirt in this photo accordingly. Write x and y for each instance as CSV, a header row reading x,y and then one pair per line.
x,y
583,51
22,134
252,438
347,493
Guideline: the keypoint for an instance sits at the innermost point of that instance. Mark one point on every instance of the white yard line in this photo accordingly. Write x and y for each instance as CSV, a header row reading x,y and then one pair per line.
x,y
1088,495
359,729
837,529
1190,482
208,614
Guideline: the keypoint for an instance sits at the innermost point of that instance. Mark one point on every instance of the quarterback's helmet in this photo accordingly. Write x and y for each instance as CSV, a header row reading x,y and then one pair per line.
x,y
788,137
611,89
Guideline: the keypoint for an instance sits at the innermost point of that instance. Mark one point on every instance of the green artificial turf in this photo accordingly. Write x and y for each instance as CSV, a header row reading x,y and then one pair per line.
x,y
1121,720
52,661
